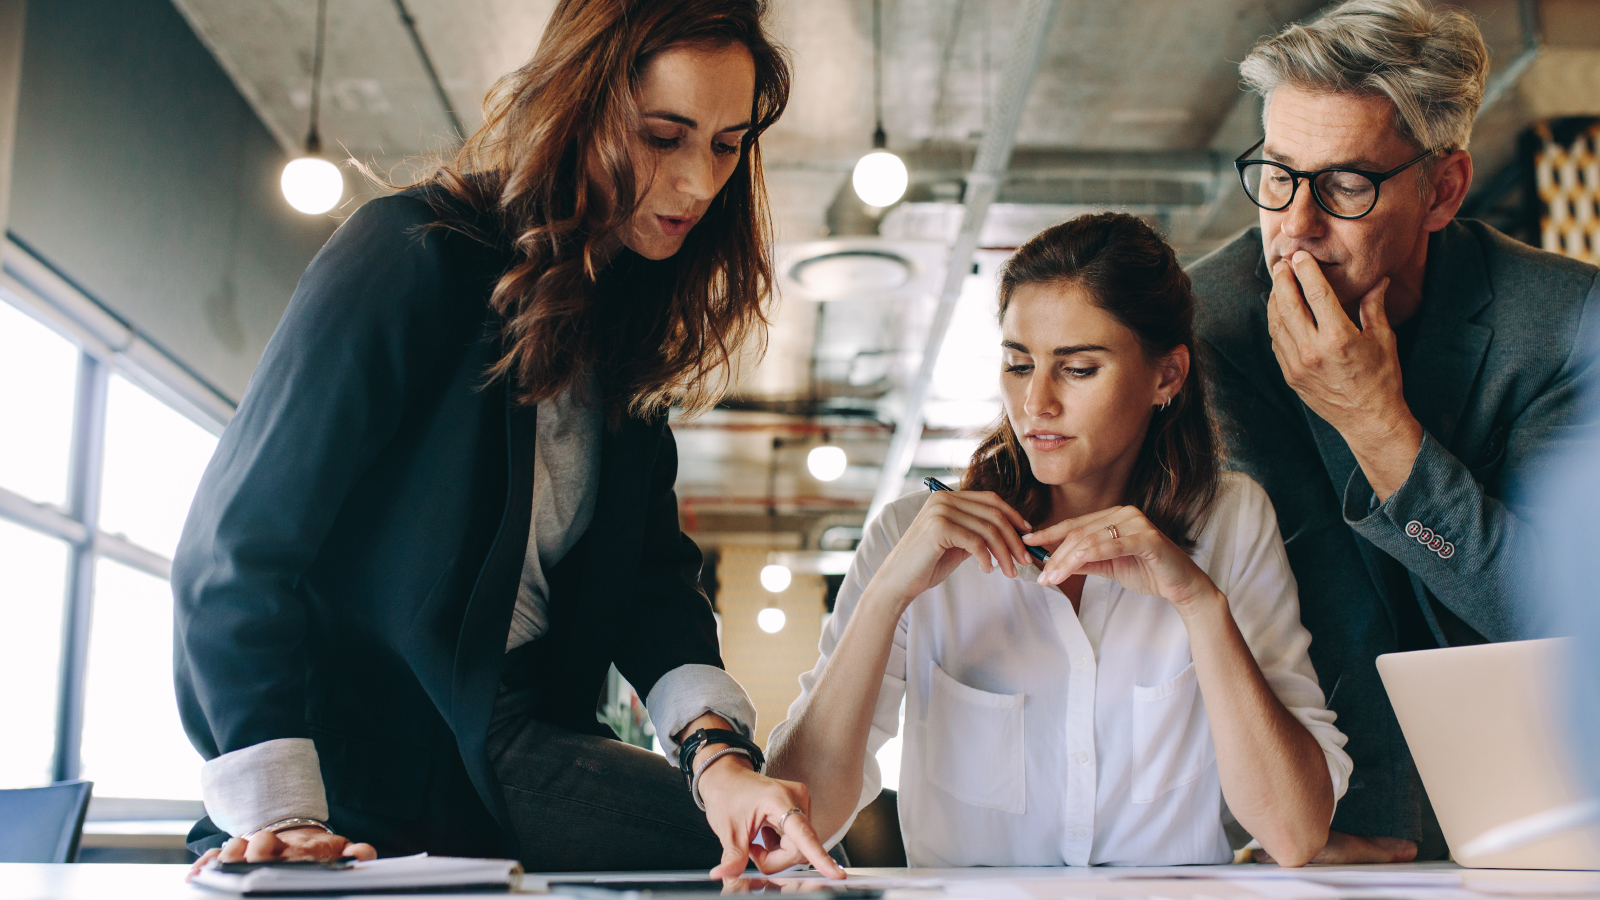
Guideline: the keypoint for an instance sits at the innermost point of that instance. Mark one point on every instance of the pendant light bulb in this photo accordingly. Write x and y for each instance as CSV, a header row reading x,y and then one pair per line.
x,y
880,177
771,620
827,462
776,578
310,183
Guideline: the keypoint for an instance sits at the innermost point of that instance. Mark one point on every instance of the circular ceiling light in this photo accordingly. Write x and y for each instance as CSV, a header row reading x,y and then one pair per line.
x,y
771,620
312,184
776,578
827,462
852,273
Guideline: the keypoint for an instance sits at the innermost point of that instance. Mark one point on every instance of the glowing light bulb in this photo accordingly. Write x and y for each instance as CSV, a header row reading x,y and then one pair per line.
x,y
827,462
312,184
776,578
771,619
880,178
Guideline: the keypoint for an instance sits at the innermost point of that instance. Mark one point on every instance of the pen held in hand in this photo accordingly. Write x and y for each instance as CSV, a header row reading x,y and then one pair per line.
x,y
1038,553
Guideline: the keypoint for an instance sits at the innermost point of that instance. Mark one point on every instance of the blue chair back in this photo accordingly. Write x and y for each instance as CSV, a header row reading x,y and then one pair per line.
x,y
43,825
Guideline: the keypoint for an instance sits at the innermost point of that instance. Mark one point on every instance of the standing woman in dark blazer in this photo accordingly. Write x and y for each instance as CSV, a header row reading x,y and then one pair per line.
x,y
445,505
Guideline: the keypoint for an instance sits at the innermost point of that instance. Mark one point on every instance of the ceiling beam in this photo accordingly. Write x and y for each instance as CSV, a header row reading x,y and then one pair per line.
x,y
983,184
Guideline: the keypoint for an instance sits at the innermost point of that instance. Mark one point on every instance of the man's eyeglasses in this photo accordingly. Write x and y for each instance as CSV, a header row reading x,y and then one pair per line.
x,y
1343,193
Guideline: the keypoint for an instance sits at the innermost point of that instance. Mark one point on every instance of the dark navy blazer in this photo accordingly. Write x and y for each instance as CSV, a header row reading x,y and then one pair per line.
x,y
348,570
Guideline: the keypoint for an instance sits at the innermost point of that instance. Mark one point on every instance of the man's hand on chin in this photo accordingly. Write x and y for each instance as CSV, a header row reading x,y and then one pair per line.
x,y
1347,375
1346,849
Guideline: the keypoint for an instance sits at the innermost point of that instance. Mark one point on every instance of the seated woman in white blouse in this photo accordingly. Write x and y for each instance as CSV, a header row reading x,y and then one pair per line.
x,y
1151,683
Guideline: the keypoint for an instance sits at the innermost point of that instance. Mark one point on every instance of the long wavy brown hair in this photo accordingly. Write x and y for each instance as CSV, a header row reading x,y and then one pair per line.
x,y
1131,273
551,173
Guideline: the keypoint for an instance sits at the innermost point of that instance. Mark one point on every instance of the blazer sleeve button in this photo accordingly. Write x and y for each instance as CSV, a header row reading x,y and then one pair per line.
x,y
1413,528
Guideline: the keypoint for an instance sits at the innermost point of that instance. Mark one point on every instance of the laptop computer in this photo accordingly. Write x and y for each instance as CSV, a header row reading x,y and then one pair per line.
x,y
1485,726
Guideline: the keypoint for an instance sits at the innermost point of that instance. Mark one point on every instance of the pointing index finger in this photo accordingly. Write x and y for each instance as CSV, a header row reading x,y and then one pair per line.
x,y
798,832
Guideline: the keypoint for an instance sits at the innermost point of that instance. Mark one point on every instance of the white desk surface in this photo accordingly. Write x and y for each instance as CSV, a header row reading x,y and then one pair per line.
x,y
1420,881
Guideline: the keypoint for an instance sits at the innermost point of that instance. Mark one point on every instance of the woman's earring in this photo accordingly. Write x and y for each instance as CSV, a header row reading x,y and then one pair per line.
x,y
1165,403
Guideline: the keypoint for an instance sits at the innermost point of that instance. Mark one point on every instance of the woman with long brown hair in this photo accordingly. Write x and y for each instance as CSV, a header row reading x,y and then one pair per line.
x,y
445,507
1151,682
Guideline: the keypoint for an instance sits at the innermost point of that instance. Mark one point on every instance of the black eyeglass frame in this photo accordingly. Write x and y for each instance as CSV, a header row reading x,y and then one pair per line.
x,y
1377,179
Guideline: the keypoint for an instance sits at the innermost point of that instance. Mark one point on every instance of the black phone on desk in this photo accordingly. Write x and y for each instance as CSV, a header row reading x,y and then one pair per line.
x,y
240,868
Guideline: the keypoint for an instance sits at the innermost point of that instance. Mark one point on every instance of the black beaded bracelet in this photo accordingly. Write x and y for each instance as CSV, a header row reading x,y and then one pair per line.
x,y
692,744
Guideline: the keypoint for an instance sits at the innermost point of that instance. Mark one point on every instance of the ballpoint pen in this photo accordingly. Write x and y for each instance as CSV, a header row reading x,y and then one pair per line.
x,y
1038,553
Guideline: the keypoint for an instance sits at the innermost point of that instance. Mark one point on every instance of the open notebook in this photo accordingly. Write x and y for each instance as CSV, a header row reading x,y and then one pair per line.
x,y
422,873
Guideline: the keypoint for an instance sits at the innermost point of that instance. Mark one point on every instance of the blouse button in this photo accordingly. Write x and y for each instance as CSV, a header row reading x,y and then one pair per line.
x,y
1081,756
1078,831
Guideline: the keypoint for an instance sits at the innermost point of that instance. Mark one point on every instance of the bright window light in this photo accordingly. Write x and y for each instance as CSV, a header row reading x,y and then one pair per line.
x,y
775,578
153,461
827,462
771,619
33,575
38,384
133,742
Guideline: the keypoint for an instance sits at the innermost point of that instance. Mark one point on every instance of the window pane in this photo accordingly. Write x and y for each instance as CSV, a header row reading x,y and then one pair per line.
x,y
38,382
154,459
133,743
33,588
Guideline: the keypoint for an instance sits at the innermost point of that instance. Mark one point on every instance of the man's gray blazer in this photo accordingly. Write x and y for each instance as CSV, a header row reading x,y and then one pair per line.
x,y
1497,377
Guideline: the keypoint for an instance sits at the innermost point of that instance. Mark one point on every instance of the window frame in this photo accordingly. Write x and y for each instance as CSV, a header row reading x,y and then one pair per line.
x,y
106,344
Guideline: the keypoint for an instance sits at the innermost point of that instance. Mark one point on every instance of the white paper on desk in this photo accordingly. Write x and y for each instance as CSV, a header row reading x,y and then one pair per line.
x,y
400,873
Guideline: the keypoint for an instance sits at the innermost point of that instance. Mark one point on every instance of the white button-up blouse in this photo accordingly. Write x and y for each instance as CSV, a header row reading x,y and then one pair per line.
x,y
1036,737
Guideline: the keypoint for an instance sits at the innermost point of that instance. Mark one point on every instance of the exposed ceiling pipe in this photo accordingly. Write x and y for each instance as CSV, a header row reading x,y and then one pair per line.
x,y
983,183
410,23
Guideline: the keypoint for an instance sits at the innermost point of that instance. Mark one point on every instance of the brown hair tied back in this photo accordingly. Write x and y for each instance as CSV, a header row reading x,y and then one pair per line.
x,y
1131,273
558,129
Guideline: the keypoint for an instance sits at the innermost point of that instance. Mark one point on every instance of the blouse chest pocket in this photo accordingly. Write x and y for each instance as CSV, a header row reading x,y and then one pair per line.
x,y
1172,742
974,744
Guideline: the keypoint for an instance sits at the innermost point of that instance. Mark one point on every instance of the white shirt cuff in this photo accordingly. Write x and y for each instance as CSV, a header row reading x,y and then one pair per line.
x,y
689,692
262,784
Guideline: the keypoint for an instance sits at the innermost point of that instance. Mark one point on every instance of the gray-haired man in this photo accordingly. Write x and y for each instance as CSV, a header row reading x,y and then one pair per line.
x,y
1390,374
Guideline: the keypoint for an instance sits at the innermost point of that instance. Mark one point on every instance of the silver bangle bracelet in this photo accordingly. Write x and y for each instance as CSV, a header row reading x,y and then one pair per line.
x,y
291,822
694,783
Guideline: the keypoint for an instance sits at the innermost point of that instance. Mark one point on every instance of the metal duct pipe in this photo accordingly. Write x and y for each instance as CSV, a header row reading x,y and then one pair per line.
x,y
983,183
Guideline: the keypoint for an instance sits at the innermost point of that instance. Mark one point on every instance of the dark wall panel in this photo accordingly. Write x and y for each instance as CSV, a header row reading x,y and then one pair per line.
x,y
142,174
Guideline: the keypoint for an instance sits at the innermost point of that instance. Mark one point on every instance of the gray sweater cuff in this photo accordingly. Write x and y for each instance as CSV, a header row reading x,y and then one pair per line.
x,y
689,692
263,783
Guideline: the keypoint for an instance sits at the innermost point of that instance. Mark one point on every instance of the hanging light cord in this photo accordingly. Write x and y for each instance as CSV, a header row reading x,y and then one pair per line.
x,y
314,140
880,138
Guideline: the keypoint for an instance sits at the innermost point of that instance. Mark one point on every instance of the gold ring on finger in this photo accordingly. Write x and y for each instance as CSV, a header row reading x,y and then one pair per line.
x,y
1113,530
785,818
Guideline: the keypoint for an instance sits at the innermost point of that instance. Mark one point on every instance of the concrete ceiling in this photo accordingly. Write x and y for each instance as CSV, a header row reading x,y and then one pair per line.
x,y
1136,106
